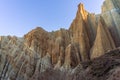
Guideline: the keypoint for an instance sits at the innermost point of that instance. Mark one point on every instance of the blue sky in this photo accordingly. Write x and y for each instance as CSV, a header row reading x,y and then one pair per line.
x,y
17,17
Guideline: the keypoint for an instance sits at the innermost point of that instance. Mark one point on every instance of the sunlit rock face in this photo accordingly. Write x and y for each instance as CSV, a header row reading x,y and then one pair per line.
x,y
79,33
64,54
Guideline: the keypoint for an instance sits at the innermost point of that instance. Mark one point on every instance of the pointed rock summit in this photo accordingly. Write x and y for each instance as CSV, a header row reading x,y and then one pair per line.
x,y
82,11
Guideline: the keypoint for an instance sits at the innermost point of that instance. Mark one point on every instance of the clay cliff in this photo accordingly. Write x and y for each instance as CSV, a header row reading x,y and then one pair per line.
x,y
111,16
66,54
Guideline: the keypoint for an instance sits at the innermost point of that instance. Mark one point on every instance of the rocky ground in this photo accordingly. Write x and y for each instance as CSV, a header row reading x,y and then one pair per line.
x,y
106,67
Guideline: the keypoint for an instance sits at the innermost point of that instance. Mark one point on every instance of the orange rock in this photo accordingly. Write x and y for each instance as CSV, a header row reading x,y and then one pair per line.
x,y
79,32
38,40
72,56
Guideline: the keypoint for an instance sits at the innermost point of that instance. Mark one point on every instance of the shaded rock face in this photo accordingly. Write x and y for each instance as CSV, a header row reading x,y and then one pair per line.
x,y
110,4
72,58
103,41
69,54
111,15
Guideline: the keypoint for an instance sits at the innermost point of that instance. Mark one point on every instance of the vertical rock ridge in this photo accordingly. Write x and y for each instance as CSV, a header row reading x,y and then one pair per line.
x,y
110,14
103,41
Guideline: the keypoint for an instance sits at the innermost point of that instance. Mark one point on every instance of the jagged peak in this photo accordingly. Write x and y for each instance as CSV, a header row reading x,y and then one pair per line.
x,y
82,11
81,6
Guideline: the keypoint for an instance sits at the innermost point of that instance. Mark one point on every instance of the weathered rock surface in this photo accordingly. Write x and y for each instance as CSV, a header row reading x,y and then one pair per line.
x,y
79,32
82,50
106,67
103,41
72,57
111,16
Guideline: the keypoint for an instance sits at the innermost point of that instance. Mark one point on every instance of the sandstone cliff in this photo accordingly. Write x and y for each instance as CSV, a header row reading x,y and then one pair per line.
x,y
111,15
103,41
64,54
